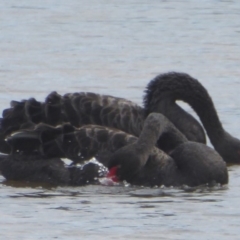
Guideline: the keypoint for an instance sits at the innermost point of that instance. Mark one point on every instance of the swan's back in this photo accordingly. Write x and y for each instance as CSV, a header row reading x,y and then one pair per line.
x,y
66,141
78,109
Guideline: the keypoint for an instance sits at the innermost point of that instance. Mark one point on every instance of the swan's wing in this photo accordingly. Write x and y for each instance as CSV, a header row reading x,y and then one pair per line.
x,y
78,108
65,141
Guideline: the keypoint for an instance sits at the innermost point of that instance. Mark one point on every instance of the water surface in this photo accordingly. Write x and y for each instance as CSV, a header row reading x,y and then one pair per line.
x,y
116,47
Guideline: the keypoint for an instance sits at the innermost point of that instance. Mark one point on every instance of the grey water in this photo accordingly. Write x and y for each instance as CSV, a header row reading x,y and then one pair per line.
x,y
116,47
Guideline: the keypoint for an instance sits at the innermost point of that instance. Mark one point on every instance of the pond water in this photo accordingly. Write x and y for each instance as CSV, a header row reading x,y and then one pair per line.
x,y
116,47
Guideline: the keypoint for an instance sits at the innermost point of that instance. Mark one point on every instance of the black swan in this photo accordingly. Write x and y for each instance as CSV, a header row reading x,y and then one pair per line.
x,y
137,159
161,93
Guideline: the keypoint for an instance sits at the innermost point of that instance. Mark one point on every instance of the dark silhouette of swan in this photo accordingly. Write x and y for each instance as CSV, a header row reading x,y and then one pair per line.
x,y
161,95
137,159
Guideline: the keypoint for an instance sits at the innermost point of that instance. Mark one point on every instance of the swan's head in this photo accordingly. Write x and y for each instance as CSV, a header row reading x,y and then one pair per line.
x,y
229,149
126,162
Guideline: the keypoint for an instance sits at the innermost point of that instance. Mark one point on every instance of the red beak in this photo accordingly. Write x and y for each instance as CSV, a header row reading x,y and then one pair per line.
x,y
112,174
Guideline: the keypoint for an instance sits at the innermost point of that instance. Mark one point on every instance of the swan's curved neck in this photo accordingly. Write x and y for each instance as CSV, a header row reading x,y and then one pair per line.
x,y
171,87
154,127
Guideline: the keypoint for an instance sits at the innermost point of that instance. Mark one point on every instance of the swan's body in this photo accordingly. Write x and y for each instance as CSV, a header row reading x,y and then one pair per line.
x,y
141,162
